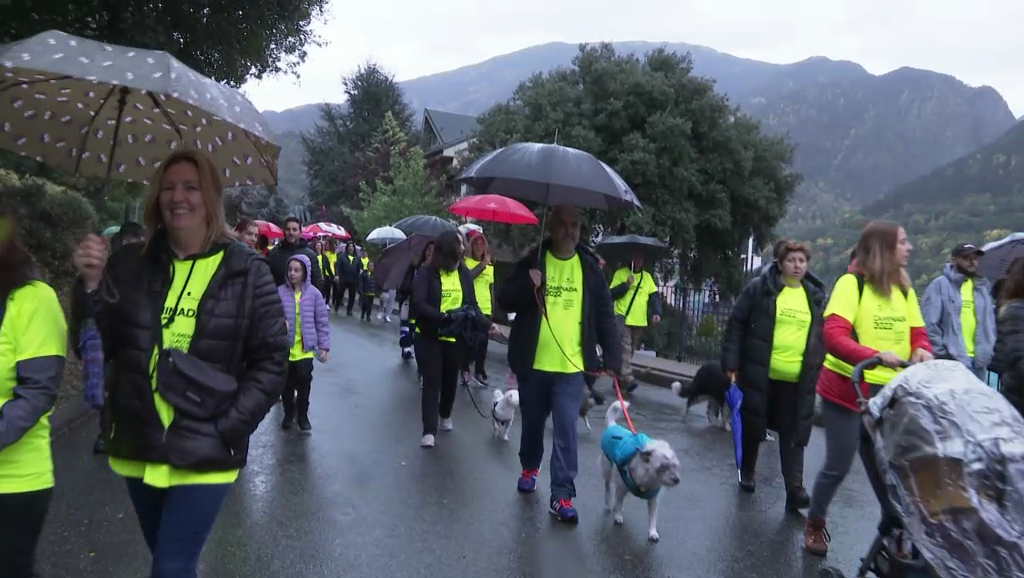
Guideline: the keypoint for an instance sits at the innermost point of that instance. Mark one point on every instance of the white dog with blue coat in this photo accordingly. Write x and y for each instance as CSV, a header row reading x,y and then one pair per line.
x,y
644,466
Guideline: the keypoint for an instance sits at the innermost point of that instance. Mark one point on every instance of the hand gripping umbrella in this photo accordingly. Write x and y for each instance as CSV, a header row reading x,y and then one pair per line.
x,y
424,225
550,174
93,109
622,248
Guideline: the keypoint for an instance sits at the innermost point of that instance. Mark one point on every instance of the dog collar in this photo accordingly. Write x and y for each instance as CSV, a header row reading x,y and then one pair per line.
x,y
635,488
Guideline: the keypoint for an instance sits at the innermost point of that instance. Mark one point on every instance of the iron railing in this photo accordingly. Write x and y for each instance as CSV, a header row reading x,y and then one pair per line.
x,y
692,325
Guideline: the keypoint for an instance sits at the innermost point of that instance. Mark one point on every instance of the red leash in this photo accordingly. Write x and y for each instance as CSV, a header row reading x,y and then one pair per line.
x,y
615,378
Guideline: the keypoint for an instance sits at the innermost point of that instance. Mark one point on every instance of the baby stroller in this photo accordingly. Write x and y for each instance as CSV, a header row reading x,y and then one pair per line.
x,y
945,457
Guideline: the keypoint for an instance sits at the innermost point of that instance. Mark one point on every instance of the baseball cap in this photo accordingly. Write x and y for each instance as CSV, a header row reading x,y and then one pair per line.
x,y
965,249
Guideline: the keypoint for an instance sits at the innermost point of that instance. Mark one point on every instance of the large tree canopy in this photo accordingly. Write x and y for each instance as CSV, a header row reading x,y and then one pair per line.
x,y
705,173
405,186
231,41
335,151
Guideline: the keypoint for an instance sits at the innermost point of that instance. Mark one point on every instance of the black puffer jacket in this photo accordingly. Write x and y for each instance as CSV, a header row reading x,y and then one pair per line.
x,y
239,318
747,350
1008,361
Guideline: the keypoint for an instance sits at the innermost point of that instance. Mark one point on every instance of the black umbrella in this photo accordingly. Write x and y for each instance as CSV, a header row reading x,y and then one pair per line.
x,y
550,174
394,261
999,254
621,248
424,225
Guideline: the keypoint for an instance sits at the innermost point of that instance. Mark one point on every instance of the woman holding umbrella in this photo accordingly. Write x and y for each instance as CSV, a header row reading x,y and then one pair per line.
x,y
773,349
221,323
482,271
441,286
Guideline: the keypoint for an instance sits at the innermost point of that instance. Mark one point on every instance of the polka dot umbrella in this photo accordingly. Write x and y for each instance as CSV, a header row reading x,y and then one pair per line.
x,y
101,110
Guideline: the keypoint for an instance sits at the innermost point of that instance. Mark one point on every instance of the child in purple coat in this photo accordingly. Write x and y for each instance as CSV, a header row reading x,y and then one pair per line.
x,y
309,332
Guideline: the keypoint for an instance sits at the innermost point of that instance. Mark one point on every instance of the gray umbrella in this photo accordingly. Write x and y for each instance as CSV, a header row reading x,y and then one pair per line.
x,y
998,255
550,174
424,225
101,110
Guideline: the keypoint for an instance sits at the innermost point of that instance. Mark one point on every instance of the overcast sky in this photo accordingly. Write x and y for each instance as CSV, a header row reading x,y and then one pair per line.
x,y
978,41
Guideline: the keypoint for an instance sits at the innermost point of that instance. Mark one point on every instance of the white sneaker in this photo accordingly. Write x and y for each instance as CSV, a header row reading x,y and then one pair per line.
x,y
386,318
379,315
427,441
446,425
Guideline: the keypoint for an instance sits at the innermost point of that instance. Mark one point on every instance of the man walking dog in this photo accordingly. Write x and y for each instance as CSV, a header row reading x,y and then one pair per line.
x,y
549,349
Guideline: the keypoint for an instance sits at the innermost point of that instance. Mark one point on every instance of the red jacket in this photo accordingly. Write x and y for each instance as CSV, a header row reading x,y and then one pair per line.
x,y
839,343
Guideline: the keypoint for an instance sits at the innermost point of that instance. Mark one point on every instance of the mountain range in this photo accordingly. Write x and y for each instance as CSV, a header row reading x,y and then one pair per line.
x,y
858,135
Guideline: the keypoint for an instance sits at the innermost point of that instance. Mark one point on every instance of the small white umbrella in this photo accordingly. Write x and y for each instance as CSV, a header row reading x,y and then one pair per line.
x,y
465,229
385,236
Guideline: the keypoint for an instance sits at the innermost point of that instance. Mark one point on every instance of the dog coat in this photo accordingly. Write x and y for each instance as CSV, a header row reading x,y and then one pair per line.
x,y
619,446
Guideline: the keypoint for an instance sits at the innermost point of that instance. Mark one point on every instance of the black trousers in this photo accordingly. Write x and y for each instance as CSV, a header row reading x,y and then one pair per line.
x,y
297,386
326,290
339,295
439,363
783,399
21,522
365,306
478,356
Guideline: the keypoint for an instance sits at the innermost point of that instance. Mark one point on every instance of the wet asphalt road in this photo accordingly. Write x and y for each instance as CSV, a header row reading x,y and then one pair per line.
x,y
360,498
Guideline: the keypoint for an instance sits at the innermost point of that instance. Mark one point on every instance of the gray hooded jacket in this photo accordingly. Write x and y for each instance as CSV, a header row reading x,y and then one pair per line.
x,y
941,307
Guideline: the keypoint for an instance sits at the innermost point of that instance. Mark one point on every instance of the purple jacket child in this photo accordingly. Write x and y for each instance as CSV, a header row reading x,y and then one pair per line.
x,y
316,326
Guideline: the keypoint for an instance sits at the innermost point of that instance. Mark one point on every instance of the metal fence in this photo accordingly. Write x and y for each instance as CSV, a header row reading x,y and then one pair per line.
x,y
692,324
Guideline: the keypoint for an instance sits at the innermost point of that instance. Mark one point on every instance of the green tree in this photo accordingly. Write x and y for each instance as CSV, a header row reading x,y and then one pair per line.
x,y
408,187
707,175
231,41
332,149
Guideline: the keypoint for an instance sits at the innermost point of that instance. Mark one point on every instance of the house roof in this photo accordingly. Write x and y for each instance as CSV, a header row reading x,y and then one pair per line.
x,y
451,128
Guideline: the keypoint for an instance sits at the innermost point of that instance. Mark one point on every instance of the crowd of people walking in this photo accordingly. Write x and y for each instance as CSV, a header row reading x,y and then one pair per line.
x,y
199,335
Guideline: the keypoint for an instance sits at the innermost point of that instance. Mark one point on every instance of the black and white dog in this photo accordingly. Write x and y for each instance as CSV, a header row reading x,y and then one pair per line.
x,y
710,385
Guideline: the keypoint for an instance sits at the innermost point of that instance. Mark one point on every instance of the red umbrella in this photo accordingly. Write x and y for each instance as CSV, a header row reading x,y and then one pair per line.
x,y
270,230
326,230
494,208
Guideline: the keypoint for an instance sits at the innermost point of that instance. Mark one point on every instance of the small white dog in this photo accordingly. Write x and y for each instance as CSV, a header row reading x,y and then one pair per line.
x,y
635,464
503,411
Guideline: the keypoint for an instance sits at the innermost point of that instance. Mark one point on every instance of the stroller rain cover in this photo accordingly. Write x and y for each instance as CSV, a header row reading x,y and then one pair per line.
x,y
951,452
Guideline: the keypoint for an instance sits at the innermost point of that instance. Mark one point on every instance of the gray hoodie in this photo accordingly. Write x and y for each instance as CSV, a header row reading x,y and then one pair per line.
x,y
941,307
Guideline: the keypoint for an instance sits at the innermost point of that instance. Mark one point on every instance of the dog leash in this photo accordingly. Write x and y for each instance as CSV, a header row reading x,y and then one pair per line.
x,y
615,378
472,398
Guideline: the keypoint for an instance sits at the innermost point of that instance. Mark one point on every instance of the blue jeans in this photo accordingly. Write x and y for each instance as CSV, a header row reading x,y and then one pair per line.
x,y
559,395
175,523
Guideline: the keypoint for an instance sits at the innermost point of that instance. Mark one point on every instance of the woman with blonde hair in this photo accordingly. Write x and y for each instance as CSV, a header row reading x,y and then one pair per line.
x,y
873,311
188,315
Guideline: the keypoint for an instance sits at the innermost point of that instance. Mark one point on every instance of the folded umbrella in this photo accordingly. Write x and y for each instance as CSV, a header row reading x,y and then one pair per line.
x,y
734,399
495,209
621,248
550,174
90,349
395,260
424,225
93,109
